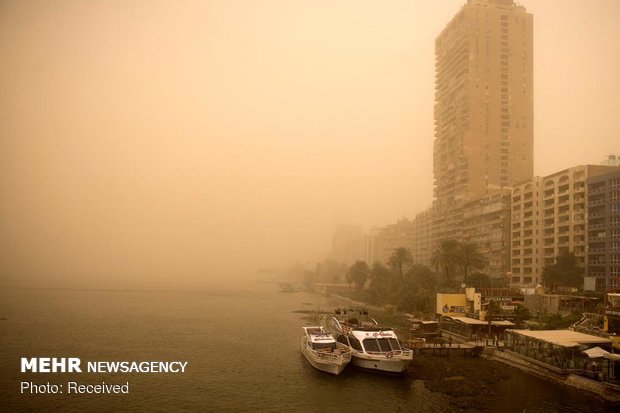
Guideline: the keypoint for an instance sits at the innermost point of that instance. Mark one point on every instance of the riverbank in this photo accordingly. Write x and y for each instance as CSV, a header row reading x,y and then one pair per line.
x,y
471,381
477,384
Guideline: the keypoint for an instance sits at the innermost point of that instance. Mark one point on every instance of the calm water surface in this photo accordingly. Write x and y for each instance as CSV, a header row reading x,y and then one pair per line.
x,y
243,352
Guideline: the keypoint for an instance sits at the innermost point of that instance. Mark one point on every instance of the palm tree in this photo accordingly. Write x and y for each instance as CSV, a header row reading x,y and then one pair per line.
x,y
381,282
445,257
399,258
470,258
358,274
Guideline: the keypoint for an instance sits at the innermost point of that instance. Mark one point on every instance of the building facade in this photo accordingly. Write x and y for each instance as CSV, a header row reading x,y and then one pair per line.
x,y
344,243
423,237
364,248
603,252
611,160
393,236
548,217
483,102
486,223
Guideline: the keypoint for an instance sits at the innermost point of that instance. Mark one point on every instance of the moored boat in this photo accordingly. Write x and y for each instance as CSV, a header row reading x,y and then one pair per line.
x,y
323,352
374,347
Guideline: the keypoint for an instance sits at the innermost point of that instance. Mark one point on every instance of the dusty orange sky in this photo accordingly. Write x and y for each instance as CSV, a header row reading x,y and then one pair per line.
x,y
148,143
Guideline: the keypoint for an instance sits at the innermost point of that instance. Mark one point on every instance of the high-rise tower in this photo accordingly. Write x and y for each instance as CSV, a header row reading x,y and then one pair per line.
x,y
483,101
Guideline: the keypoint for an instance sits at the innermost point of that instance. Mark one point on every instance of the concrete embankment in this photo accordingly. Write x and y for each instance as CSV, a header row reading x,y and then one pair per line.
x,y
573,380
356,303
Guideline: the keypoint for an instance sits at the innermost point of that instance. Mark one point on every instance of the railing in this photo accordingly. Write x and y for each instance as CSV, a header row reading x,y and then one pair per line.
x,y
342,354
405,353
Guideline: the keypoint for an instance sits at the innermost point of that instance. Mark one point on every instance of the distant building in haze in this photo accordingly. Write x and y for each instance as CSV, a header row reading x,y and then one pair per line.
x,y
483,102
612,160
344,243
365,247
423,237
393,236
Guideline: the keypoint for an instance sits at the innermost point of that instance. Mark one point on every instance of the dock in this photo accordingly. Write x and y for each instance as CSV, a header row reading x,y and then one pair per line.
x,y
448,349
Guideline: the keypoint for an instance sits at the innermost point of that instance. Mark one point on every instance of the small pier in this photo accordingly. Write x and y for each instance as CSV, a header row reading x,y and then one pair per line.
x,y
448,349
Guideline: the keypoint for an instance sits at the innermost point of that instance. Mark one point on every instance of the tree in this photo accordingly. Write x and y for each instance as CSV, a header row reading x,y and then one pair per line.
x,y
493,309
564,271
470,258
479,280
422,284
522,313
445,257
400,257
381,281
331,272
358,274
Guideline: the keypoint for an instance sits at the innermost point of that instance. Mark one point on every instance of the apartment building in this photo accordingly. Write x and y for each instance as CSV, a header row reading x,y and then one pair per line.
x,y
393,236
549,216
486,223
423,237
483,103
603,236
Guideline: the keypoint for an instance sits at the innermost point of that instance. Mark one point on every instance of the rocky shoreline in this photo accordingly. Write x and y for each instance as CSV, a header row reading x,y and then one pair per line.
x,y
473,384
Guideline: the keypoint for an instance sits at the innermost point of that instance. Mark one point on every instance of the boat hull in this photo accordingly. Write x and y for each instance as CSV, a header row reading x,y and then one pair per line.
x,y
331,368
327,366
392,365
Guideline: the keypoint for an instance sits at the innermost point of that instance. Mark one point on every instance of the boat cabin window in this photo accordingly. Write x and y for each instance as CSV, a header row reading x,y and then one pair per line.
x,y
355,344
395,344
381,345
319,346
384,344
371,345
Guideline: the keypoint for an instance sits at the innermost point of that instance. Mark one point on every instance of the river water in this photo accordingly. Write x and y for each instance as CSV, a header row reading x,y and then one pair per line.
x,y
242,348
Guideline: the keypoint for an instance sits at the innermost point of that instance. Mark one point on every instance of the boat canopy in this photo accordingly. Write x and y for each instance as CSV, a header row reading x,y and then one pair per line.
x,y
318,335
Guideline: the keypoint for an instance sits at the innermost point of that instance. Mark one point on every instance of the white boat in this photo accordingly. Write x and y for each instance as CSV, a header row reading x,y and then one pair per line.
x,y
375,348
323,352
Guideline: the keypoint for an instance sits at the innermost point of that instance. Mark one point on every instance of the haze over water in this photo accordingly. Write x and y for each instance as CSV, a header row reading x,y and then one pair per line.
x,y
242,348
152,144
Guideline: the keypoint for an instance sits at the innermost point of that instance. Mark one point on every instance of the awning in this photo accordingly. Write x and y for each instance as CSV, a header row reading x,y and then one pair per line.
x,y
614,357
502,323
563,338
469,321
595,352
